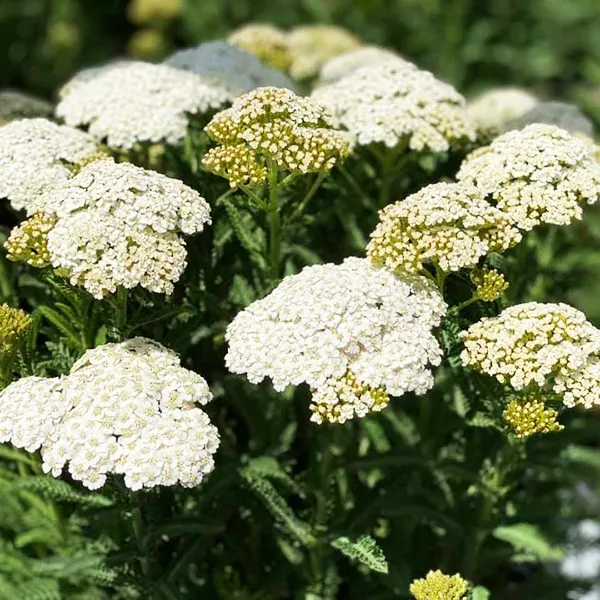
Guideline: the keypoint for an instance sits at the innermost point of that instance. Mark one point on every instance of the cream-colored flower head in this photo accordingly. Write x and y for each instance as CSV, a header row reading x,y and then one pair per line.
x,y
36,154
530,344
528,415
17,105
437,586
272,124
581,387
353,332
89,73
495,108
121,226
266,42
366,56
450,224
311,46
119,405
138,102
539,174
393,105
14,322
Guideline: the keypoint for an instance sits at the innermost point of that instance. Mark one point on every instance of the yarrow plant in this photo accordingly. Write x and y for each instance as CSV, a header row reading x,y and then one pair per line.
x,y
449,224
539,174
36,154
118,403
137,102
353,332
115,225
494,109
339,260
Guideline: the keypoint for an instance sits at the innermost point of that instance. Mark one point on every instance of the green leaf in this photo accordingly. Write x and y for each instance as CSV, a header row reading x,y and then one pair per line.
x,y
275,503
61,490
528,539
365,550
62,324
589,457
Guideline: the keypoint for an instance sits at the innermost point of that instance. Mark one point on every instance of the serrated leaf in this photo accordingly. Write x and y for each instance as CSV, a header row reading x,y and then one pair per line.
x,y
61,490
365,550
528,539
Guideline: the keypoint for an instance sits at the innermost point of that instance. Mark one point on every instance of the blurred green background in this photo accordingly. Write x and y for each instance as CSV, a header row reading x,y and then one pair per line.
x,y
549,46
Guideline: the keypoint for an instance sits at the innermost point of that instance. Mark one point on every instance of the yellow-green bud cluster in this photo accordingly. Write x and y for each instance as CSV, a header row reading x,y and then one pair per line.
x,y
529,415
437,586
28,242
342,399
490,284
266,42
273,124
143,12
13,324
450,224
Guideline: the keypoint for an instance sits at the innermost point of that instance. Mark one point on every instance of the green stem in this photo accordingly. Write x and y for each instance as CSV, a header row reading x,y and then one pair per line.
x,y
138,531
121,308
459,307
314,188
274,218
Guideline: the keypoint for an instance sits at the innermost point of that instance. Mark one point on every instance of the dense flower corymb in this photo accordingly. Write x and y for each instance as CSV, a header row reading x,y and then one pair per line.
x,y
391,104
529,415
36,154
14,322
237,70
119,404
353,332
448,223
437,586
530,343
135,102
28,242
490,284
367,56
539,174
265,41
120,226
581,387
311,46
495,108
295,133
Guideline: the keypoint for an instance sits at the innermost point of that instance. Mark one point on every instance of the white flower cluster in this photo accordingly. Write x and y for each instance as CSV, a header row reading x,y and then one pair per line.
x,y
538,344
311,46
539,174
127,408
450,224
366,56
135,102
36,154
351,327
391,104
495,108
119,226
272,124
17,105
224,64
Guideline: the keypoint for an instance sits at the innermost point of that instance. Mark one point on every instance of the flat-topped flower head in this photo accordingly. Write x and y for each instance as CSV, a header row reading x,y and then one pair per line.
x,y
28,242
266,42
17,105
36,154
117,225
539,174
271,124
222,63
528,415
495,108
119,404
366,56
581,386
530,344
393,105
311,46
353,332
139,197
449,224
137,102
437,586
14,322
